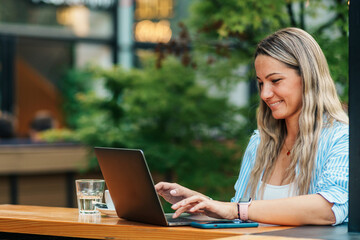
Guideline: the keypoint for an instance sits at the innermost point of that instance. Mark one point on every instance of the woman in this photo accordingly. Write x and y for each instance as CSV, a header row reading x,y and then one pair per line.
x,y
296,165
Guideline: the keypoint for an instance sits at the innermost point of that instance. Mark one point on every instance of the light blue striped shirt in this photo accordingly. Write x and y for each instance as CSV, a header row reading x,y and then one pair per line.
x,y
331,176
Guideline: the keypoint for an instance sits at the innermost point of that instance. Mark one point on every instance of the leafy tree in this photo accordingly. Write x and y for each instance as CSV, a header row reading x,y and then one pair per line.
x,y
235,27
189,135
185,132
73,85
224,35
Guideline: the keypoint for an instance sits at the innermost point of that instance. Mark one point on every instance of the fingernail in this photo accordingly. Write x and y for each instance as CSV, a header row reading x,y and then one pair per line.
x,y
173,192
192,209
174,206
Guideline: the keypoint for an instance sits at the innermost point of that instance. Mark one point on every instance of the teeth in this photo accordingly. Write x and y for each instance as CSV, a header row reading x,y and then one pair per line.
x,y
273,104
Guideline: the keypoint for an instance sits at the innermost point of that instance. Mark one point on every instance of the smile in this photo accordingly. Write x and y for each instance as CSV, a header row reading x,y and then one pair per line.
x,y
275,103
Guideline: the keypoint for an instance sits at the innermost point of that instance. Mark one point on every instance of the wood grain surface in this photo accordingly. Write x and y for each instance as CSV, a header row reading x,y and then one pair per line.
x,y
67,222
255,237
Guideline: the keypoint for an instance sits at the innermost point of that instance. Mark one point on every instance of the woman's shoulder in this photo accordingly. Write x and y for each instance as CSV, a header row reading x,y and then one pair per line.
x,y
337,127
255,137
254,141
334,133
256,133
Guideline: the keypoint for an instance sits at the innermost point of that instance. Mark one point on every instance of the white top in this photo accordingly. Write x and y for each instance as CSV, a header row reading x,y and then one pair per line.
x,y
277,192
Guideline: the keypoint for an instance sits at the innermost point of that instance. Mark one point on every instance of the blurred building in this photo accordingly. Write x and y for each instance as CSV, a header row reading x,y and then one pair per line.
x,y
41,39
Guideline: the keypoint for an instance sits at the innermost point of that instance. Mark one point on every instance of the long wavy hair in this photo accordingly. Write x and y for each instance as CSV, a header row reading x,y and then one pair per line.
x,y
320,107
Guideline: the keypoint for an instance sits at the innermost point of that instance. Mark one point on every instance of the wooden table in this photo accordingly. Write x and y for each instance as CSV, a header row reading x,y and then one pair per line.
x,y
36,221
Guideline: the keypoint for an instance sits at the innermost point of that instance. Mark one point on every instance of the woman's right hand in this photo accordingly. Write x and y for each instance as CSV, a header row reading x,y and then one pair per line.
x,y
173,192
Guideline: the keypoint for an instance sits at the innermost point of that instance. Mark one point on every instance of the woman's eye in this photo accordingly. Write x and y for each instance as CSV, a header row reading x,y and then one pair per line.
x,y
276,80
260,84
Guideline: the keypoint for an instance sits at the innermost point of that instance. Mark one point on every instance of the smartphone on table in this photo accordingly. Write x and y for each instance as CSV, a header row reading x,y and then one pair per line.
x,y
224,224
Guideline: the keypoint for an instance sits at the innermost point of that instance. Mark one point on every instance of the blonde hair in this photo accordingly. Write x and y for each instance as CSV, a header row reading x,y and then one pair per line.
x,y
298,50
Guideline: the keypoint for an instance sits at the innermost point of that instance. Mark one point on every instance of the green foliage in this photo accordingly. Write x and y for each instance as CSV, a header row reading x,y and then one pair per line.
x,y
227,33
58,135
169,114
74,83
235,18
189,135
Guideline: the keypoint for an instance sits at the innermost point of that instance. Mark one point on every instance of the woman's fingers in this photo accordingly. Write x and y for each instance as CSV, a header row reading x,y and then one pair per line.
x,y
181,210
202,204
174,192
189,200
162,186
169,188
171,192
192,204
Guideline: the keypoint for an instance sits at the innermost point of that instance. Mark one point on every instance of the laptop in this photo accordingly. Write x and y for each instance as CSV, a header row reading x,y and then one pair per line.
x,y
132,190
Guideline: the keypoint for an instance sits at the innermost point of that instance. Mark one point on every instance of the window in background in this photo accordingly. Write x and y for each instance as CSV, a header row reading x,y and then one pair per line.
x,y
88,53
156,21
39,66
40,41
32,17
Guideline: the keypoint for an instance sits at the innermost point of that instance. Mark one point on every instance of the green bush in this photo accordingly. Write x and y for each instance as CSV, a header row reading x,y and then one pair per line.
x,y
188,135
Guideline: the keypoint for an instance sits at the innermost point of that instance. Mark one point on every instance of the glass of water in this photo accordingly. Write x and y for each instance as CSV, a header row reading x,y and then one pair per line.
x,y
89,193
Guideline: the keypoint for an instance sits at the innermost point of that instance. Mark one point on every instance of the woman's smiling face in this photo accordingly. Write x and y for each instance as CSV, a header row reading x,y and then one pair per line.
x,y
280,87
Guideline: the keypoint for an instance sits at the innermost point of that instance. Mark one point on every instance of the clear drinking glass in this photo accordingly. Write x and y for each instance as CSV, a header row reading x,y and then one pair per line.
x,y
89,192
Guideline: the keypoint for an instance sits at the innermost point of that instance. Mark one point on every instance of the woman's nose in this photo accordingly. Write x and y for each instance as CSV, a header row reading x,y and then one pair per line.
x,y
266,92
